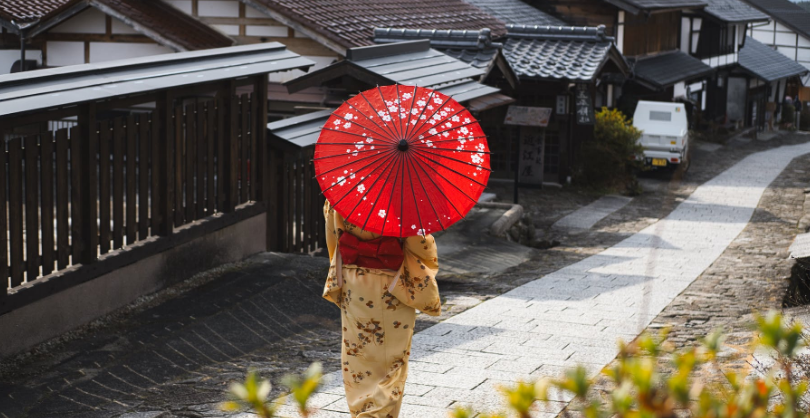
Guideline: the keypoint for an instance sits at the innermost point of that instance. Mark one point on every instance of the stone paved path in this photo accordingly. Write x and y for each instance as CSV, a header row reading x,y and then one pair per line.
x,y
576,314
588,216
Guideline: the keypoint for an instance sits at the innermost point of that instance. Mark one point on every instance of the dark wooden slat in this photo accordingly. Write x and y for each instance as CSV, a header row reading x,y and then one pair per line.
x,y
254,161
62,204
179,214
15,210
32,207
143,176
89,184
156,146
202,149
308,209
132,227
46,216
288,201
76,194
191,155
118,183
232,153
244,147
3,224
104,200
221,133
211,143
299,201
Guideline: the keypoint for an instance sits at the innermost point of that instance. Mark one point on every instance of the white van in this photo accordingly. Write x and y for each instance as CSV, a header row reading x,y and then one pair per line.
x,y
664,133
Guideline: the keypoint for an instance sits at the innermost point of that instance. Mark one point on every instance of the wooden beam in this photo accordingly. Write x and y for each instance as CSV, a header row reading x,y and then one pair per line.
x,y
258,21
301,46
93,37
108,24
321,38
195,8
86,52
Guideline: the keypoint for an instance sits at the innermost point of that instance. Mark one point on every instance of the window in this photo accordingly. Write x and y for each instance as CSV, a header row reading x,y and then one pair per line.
x,y
661,116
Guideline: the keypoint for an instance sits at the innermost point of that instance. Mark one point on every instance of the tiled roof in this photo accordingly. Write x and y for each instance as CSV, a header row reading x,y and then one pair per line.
x,y
473,47
351,23
165,24
670,68
29,10
516,12
635,5
767,63
545,52
787,13
734,11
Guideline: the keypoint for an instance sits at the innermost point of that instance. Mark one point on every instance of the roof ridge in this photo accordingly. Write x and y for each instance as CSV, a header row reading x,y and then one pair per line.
x,y
441,38
580,33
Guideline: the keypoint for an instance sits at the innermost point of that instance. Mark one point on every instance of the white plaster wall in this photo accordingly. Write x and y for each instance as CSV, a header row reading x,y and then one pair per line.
x,y
109,51
9,56
218,8
184,5
121,28
251,12
254,30
232,30
735,105
91,20
65,53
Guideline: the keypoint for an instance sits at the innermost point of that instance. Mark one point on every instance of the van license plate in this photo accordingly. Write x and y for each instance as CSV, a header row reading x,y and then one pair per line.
x,y
659,162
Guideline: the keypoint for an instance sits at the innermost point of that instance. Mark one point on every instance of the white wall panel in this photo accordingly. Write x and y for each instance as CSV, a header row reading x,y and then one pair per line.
x,y
782,28
65,53
228,29
121,28
253,30
218,8
804,55
109,51
251,12
320,62
9,56
804,41
787,51
785,38
91,20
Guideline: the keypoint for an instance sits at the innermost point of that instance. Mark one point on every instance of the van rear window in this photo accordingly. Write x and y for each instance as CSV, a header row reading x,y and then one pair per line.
x,y
661,116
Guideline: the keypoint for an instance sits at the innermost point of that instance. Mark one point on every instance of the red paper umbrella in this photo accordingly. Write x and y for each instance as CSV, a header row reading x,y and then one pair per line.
x,y
402,161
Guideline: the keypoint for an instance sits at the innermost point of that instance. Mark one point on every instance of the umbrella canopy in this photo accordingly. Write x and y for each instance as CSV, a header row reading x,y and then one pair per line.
x,y
402,161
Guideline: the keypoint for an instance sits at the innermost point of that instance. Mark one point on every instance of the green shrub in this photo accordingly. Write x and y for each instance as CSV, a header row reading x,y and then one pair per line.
x,y
608,161
788,115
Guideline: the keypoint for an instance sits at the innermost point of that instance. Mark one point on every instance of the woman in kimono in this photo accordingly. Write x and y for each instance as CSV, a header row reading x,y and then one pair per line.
x,y
378,311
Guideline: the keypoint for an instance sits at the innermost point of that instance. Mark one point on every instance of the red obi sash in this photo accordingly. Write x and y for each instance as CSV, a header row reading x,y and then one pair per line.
x,y
384,253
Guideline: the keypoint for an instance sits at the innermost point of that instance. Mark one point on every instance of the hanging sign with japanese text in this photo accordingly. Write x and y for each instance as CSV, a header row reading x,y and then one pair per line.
x,y
528,116
532,153
584,105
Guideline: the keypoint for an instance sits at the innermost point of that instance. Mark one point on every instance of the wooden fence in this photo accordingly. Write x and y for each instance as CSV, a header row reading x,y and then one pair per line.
x,y
76,194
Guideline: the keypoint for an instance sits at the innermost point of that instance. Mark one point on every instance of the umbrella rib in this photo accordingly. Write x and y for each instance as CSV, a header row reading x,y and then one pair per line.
x,y
450,158
359,124
343,155
444,195
372,121
347,133
466,138
386,109
409,133
358,170
388,208
413,167
460,174
371,106
447,117
349,191
390,170
351,162
399,110
452,184
368,190
438,109
402,197
449,129
425,147
408,124
415,203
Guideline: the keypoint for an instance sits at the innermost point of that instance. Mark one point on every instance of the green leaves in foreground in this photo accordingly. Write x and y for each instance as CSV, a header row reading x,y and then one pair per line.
x,y
253,394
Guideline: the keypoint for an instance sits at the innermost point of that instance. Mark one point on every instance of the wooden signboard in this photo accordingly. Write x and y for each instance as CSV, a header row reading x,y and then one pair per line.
x,y
528,116
584,105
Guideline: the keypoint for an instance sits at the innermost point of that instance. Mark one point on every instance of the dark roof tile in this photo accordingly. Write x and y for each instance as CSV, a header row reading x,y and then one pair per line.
x,y
658,4
767,63
351,23
669,68
544,52
29,10
787,13
734,11
516,12
473,47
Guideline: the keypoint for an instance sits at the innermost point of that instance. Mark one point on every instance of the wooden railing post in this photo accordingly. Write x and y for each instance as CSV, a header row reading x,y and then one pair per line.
x,y
230,139
88,229
164,113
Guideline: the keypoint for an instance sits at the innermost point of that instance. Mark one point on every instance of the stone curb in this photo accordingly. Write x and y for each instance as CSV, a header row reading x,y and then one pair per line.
x,y
513,214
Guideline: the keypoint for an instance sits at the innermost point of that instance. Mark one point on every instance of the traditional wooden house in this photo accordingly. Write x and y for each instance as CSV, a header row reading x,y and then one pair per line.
x,y
788,33
67,32
650,34
564,72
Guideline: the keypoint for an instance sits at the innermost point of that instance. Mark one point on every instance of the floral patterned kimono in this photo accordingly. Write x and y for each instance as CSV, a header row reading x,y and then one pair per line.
x,y
378,311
